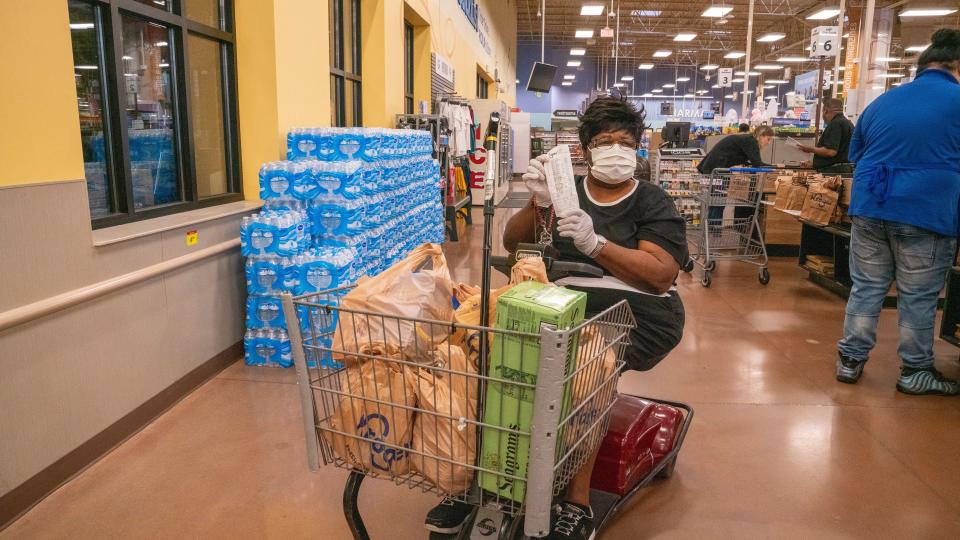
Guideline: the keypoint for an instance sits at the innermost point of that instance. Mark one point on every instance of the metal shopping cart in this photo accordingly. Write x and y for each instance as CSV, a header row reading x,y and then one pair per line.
x,y
573,374
725,232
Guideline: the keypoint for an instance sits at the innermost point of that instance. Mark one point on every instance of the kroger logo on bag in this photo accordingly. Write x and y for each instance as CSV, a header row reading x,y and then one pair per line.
x,y
375,428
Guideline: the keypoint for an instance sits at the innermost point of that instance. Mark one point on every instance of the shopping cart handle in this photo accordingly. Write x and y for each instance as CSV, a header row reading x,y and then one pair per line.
x,y
751,169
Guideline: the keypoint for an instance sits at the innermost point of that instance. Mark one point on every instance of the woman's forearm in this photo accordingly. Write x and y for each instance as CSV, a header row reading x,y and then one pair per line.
x,y
641,269
520,228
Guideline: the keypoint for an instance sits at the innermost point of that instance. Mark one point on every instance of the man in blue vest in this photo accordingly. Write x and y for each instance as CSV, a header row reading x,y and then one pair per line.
x,y
906,194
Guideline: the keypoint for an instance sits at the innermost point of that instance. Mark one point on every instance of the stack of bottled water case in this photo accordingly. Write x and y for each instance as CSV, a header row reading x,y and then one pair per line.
x,y
347,203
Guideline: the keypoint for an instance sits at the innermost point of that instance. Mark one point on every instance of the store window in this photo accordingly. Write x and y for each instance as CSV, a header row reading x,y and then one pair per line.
x,y
407,67
483,86
155,93
345,81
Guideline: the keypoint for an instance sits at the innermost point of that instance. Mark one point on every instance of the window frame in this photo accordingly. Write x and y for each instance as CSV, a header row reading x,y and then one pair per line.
x,y
108,16
484,84
408,75
339,76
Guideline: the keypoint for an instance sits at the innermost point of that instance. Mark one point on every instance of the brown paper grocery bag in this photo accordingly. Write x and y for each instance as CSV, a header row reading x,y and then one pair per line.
x,y
796,197
739,188
819,205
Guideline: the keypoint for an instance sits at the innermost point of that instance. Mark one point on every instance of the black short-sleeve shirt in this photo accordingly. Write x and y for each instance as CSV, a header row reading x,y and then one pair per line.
x,y
647,213
836,136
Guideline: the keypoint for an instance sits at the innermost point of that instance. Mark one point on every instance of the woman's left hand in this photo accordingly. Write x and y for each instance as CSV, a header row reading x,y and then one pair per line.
x,y
577,225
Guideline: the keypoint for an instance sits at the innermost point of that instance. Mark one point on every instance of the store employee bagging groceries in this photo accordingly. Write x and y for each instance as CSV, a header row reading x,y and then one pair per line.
x,y
633,232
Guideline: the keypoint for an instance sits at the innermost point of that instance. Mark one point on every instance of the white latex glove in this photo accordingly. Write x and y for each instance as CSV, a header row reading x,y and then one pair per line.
x,y
578,225
536,181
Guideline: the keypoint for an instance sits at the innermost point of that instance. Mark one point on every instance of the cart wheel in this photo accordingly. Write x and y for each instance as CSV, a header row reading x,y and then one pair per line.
x,y
667,470
706,279
689,266
710,266
764,276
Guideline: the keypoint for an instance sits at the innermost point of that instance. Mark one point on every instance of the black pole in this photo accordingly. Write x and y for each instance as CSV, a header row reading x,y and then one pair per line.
x,y
489,190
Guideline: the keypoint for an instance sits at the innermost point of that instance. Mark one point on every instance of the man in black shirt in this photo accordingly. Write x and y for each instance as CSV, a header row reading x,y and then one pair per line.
x,y
834,144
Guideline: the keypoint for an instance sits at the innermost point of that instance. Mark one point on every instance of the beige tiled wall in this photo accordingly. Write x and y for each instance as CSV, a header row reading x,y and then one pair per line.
x,y
67,376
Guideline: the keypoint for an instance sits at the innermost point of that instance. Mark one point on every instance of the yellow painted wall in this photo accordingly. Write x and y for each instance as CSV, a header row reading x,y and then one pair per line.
x,y
40,132
303,64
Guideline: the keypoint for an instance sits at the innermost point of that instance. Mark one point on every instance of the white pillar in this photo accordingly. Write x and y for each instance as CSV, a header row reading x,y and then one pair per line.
x,y
746,70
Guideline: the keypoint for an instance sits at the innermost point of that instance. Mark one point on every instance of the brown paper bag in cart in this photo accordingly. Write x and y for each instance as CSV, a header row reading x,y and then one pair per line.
x,y
365,427
596,362
447,401
400,291
739,187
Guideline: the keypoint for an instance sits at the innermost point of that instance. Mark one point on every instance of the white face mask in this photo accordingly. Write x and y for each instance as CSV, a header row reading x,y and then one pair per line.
x,y
613,164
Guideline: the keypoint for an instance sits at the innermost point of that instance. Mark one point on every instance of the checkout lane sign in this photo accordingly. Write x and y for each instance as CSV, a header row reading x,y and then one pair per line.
x,y
725,77
824,41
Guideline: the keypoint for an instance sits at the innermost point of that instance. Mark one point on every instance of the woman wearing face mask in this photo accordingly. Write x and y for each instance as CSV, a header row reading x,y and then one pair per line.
x,y
633,232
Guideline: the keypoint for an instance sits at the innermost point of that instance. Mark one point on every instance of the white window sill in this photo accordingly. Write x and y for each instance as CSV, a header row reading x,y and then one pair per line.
x,y
147,227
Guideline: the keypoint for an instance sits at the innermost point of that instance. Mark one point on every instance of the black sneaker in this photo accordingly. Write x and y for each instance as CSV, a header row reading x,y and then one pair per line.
x,y
926,382
572,521
447,517
848,369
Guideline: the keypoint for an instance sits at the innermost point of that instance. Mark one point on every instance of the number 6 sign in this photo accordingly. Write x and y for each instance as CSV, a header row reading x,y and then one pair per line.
x,y
824,41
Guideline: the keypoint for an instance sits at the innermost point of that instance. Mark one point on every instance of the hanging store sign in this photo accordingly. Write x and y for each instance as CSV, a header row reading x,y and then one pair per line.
x,y
443,68
566,113
824,41
725,77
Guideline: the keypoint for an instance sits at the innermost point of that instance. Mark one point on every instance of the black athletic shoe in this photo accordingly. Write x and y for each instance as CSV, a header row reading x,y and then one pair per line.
x,y
447,517
848,369
572,521
926,382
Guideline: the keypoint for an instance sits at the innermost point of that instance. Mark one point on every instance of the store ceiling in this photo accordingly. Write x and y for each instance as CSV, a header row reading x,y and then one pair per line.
x,y
646,27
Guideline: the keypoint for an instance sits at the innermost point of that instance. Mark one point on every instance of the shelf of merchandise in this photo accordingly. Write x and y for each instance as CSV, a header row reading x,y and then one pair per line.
x,y
569,137
678,176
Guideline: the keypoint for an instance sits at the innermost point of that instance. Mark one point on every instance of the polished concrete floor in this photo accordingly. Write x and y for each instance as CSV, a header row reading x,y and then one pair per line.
x,y
777,449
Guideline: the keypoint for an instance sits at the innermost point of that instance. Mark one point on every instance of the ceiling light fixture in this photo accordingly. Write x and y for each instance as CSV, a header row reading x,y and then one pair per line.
x,y
647,95
702,92
163,64
161,44
645,66
927,12
890,76
573,63
668,85
685,36
578,52
768,86
778,81
917,48
618,85
662,54
768,67
688,95
716,11
715,86
888,59
82,66
566,83
771,37
824,14
592,9
569,77
657,91
728,96
583,34
792,59
626,78
683,79
734,55
737,80
709,67
81,26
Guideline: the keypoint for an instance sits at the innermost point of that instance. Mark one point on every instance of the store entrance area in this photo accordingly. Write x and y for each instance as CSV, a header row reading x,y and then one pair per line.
x,y
779,450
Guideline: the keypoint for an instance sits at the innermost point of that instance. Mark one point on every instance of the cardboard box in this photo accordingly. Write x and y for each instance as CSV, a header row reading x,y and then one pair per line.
x,y
525,308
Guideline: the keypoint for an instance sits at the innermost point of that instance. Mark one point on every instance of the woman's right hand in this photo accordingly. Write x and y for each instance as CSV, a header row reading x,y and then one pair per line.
x,y
536,181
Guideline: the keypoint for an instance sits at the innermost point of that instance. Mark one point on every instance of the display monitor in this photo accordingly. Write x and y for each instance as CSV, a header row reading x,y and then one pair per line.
x,y
541,77
708,115
676,133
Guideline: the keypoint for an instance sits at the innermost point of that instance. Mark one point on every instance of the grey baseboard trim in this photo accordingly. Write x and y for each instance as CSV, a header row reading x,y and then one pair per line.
x,y
22,498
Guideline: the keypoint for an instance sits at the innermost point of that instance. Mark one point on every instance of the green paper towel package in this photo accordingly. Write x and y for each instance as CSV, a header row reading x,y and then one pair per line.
x,y
525,308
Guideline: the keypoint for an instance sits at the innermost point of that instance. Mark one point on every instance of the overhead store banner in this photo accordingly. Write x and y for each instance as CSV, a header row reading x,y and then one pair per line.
x,y
805,84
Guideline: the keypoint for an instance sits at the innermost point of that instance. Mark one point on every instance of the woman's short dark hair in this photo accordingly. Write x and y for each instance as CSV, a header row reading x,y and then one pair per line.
x,y
611,114
763,131
944,49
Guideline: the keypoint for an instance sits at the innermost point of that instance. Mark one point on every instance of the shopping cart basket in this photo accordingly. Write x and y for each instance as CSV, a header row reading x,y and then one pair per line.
x,y
564,379
721,234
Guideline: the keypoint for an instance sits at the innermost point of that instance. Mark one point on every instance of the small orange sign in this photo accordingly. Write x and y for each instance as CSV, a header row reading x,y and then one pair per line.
x,y
192,238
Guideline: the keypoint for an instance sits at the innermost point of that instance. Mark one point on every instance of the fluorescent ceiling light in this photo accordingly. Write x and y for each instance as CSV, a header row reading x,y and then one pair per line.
x,y
688,95
662,54
790,93
583,34
684,36
646,13
668,85
768,86
164,64
645,66
716,11
626,78
890,75
824,14
777,81
573,63
753,73
83,66
888,59
748,92
683,79
896,84
792,59
657,91
917,48
566,83
927,12
702,92
771,37
767,67
127,57
619,85
578,52
735,55
569,77
647,95
591,9
715,86
161,44
728,96
81,26
841,68
709,67
738,80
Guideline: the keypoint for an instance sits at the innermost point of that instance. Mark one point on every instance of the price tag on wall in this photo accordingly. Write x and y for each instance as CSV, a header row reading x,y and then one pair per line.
x,y
725,77
824,41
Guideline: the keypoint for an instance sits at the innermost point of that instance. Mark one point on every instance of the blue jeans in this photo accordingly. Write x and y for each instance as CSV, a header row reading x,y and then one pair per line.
x,y
881,251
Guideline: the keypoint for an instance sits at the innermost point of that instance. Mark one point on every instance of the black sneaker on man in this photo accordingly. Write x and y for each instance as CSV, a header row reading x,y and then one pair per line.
x,y
572,521
448,517
926,382
848,369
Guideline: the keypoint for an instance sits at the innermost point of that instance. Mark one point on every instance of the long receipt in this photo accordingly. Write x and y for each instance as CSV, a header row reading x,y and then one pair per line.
x,y
560,181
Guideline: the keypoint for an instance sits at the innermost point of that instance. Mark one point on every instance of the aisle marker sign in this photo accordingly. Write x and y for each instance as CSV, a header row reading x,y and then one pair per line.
x,y
824,41
193,237
725,77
